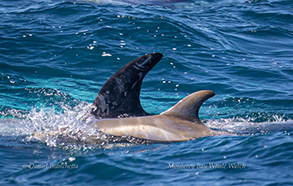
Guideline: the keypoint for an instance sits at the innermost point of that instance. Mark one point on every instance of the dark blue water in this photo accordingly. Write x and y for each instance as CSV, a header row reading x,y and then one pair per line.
x,y
56,55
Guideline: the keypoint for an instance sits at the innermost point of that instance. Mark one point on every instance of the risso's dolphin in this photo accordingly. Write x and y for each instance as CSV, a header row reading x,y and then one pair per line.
x,y
119,113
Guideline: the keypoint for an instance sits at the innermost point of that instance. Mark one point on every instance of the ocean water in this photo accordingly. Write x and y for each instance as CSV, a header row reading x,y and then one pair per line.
x,y
56,55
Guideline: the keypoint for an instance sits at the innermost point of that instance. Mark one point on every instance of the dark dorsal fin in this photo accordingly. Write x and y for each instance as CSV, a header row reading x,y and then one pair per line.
x,y
120,94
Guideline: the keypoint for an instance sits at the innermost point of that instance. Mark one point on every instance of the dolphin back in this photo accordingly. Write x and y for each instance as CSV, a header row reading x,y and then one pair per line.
x,y
120,95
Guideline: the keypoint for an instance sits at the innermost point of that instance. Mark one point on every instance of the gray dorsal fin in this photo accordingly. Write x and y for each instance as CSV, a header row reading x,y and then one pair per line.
x,y
120,94
188,107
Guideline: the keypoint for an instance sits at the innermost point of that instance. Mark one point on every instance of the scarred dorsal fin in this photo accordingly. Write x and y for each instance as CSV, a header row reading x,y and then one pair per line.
x,y
120,94
188,107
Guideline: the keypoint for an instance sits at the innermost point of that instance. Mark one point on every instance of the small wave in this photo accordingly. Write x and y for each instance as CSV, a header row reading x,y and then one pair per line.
x,y
248,127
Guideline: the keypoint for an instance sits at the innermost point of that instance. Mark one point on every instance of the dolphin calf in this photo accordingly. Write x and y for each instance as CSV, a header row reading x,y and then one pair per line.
x,y
119,113
179,123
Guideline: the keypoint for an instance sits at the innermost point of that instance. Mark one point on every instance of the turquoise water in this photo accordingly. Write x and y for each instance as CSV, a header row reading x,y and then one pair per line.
x,y
56,55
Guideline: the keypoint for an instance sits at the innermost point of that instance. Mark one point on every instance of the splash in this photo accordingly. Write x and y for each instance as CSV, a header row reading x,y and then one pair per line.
x,y
73,129
69,129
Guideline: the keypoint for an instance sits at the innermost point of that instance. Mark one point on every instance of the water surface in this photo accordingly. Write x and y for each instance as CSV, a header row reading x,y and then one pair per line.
x,y
56,55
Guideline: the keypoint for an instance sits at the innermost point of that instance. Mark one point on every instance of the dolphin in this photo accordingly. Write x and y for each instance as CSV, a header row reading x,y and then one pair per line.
x,y
119,113
116,115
